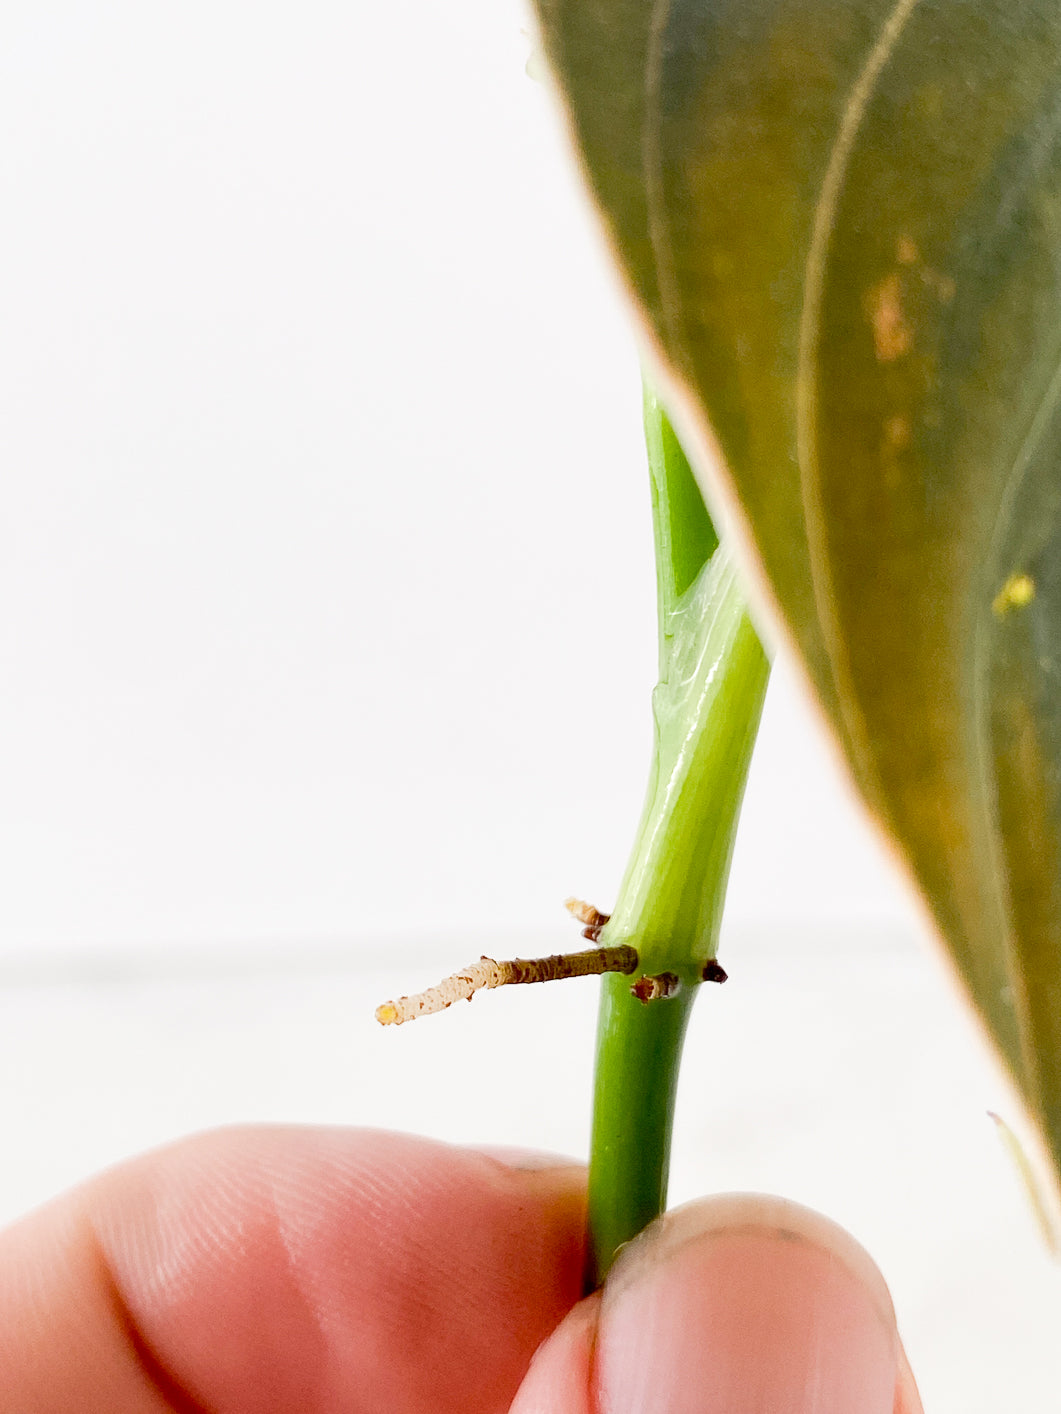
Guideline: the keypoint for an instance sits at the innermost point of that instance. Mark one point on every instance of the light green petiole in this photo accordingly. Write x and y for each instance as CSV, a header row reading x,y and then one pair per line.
x,y
707,703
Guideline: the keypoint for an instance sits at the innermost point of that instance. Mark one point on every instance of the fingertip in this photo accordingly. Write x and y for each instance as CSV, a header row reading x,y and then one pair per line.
x,y
753,1215
260,1269
730,1306
560,1377
322,1262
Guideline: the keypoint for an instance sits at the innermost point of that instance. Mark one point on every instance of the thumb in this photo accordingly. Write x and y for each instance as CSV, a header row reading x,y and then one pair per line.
x,y
732,1305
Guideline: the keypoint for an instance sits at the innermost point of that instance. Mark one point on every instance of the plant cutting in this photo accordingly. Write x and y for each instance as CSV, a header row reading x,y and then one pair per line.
x,y
669,906
659,944
828,318
839,222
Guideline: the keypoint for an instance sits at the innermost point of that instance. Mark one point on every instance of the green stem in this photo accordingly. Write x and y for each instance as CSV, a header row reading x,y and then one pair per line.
x,y
713,676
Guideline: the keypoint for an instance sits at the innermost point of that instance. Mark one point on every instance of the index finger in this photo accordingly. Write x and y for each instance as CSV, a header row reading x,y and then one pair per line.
x,y
264,1270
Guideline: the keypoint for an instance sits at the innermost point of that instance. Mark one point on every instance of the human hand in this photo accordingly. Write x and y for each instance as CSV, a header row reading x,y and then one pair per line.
x,y
269,1271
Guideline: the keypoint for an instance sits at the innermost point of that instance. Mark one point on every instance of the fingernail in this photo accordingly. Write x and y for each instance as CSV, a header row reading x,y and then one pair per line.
x,y
745,1305
528,1160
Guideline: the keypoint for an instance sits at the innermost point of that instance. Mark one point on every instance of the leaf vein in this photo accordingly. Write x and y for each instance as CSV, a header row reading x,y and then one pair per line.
x,y
822,228
1018,981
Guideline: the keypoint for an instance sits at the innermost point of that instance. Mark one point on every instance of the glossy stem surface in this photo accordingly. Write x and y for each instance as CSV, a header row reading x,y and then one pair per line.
x,y
713,675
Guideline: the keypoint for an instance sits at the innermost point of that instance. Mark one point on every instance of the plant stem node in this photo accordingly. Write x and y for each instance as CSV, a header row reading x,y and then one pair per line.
x,y
654,989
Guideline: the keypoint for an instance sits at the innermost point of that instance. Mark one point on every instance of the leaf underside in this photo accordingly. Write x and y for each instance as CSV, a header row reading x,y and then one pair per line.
x,y
842,222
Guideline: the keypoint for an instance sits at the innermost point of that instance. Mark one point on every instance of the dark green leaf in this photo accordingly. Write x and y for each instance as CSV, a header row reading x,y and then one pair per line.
x,y
842,221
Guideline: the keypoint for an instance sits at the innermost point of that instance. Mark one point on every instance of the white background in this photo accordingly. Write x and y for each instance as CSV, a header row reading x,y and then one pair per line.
x,y
326,640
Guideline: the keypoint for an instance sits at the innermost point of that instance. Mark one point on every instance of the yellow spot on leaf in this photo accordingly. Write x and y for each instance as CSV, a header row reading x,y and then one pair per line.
x,y
906,251
1017,592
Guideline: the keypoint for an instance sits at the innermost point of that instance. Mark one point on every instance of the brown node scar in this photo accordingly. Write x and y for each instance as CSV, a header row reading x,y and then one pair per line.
x,y
714,971
487,973
653,989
